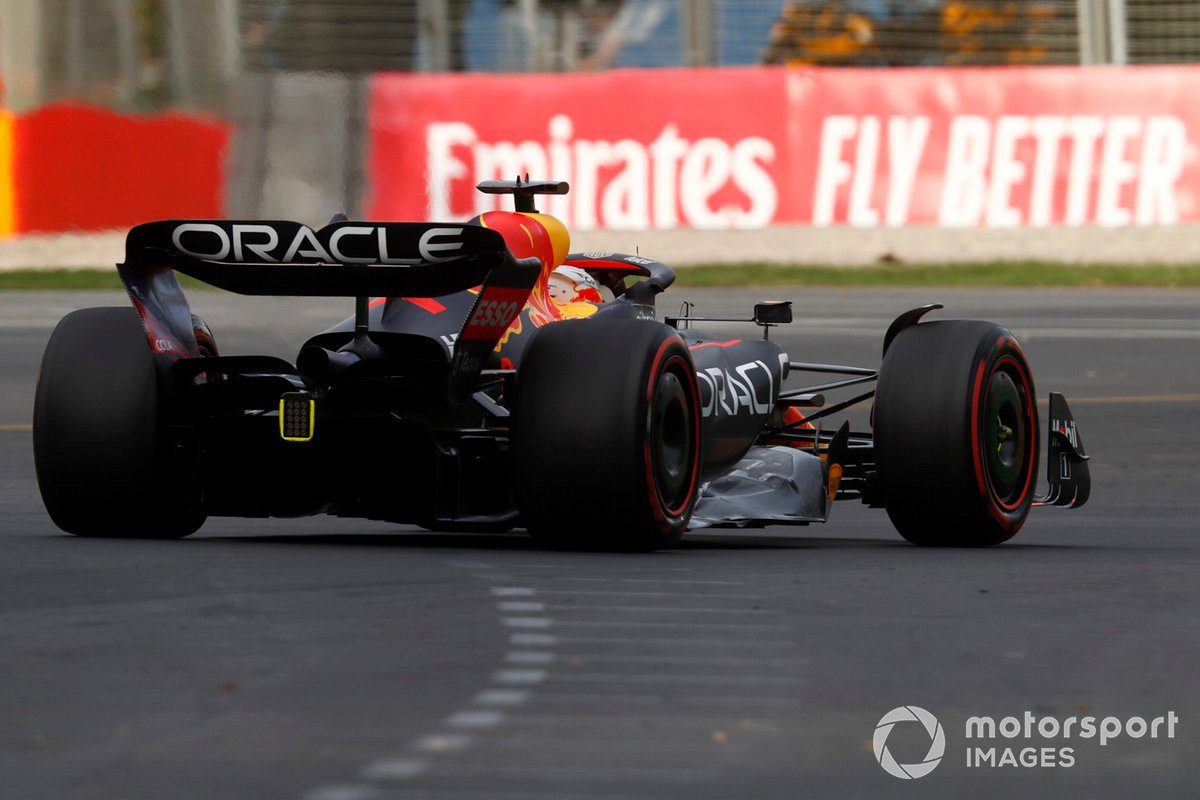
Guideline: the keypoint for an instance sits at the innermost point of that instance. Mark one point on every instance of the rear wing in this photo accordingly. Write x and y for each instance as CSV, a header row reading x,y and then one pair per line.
x,y
342,259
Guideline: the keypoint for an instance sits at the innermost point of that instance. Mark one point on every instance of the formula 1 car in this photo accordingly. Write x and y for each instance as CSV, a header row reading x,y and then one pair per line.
x,y
493,376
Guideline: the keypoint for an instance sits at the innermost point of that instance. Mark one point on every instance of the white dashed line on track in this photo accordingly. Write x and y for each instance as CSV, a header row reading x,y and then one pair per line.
x,y
488,708
520,606
525,622
342,792
501,697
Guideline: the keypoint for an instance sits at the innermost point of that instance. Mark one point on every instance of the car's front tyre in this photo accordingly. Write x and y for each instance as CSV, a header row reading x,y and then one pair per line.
x,y
956,434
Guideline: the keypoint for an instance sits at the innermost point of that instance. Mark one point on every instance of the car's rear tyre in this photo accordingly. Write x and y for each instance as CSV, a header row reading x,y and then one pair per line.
x,y
101,459
606,435
956,434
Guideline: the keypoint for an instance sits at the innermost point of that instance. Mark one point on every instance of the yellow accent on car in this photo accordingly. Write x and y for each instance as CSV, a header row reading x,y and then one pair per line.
x,y
297,418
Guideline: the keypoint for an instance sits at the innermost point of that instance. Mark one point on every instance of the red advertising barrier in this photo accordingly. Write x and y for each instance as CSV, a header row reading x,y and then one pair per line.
x,y
641,149
82,168
747,148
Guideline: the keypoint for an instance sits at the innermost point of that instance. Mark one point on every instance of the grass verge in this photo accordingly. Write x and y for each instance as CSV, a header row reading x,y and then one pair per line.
x,y
992,273
72,279
997,273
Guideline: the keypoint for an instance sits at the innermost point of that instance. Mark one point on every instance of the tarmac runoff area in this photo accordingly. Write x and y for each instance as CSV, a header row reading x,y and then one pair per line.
x,y
841,246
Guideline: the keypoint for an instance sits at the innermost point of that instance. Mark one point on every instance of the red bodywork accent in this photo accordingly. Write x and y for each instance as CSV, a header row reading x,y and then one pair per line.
x,y
730,343
427,303
603,263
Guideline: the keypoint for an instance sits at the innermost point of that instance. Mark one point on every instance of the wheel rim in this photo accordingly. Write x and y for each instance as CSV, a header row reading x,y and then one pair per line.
x,y
1007,434
671,442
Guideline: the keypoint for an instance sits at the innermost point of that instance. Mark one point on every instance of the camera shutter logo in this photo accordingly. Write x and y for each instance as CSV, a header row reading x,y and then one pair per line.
x,y
937,742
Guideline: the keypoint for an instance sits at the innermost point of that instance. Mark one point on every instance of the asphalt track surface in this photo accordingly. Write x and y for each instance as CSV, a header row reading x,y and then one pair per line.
x,y
327,659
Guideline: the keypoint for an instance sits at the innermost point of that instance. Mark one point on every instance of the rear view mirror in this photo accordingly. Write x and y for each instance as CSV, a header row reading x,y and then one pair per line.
x,y
773,312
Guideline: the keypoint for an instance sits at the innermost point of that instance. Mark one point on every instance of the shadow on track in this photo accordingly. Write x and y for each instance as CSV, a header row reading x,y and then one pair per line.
x,y
518,541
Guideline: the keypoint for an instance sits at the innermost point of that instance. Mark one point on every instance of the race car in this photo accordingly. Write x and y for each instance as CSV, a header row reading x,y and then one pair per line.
x,y
489,379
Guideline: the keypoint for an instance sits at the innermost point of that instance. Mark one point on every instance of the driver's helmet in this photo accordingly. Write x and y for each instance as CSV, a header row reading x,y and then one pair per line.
x,y
575,293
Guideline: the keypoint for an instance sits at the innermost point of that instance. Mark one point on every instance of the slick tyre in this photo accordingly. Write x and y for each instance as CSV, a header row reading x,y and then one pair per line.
x,y
606,435
101,460
956,434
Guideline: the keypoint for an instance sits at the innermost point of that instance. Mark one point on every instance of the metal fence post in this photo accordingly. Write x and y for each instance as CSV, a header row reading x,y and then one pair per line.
x,y
1103,37
1118,38
699,33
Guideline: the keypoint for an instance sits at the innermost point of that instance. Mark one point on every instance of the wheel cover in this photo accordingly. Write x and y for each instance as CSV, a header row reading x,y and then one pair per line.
x,y
671,443
1007,434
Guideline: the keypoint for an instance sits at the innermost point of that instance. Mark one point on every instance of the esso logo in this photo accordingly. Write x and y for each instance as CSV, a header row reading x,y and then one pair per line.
x,y
494,313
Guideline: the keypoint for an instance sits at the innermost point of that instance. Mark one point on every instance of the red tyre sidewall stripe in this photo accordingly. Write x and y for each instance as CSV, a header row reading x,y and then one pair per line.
x,y
977,446
998,510
648,457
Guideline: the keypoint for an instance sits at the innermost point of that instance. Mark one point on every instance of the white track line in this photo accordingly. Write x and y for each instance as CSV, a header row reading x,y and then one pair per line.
x,y
486,713
520,606
501,697
525,622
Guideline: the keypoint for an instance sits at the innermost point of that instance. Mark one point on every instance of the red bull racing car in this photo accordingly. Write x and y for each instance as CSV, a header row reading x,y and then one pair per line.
x,y
491,369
